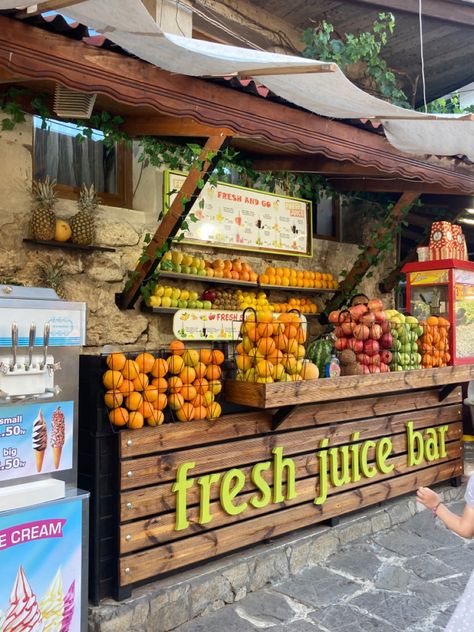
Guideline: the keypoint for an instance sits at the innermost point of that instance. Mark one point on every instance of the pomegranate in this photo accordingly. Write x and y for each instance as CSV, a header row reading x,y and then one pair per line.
x,y
363,358
356,345
375,305
375,360
341,344
357,311
334,317
386,341
379,316
368,319
347,327
376,332
371,347
386,356
384,368
338,332
385,326
374,369
365,368
361,332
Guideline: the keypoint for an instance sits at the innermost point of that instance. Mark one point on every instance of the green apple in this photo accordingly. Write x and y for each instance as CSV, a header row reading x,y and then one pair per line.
x,y
182,304
193,270
177,268
185,269
199,305
206,305
192,304
202,272
174,302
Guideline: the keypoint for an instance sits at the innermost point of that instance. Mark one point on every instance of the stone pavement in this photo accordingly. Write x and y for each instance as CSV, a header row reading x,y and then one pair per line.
x,y
404,579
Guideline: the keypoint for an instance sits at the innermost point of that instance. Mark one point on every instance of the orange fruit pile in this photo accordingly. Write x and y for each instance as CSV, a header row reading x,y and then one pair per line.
x,y
139,390
226,269
303,305
273,350
433,345
288,277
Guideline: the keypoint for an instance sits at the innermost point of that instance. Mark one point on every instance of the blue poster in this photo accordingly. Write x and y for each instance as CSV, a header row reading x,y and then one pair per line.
x,y
35,438
41,560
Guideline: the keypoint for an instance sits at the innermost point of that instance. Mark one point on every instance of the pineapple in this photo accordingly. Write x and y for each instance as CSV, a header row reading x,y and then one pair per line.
x,y
43,218
51,275
83,222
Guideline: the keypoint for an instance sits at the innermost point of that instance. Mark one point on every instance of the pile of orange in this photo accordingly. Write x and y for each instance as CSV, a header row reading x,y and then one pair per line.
x,y
288,277
303,305
226,269
433,345
272,350
140,389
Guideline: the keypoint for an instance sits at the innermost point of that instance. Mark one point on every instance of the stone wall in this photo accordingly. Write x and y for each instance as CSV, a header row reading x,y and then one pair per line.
x,y
96,277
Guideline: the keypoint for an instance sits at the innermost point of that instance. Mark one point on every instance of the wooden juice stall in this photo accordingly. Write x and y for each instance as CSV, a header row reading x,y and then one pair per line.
x,y
304,453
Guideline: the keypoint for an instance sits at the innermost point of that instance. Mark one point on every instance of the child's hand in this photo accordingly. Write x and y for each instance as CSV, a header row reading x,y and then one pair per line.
x,y
427,497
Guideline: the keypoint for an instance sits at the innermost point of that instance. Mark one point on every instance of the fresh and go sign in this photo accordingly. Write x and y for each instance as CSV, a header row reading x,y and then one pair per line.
x,y
338,466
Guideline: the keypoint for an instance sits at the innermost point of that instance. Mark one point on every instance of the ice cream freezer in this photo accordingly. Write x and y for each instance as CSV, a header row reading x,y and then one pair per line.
x,y
43,516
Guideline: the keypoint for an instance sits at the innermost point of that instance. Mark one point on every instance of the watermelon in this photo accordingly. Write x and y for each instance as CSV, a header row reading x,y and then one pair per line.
x,y
319,352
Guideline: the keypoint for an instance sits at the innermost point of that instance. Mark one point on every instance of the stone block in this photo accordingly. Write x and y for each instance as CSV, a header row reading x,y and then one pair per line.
x,y
266,607
380,521
299,556
344,618
354,530
226,620
112,232
399,513
169,610
238,576
393,578
322,547
401,611
106,267
269,568
122,622
205,593
318,585
357,561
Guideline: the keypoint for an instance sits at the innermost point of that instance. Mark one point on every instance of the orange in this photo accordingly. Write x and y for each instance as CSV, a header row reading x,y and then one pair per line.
x,y
301,335
243,362
205,356
134,401
126,386
185,413
175,364
146,409
217,357
118,416
160,402
213,372
198,401
239,348
263,279
200,369
112,380
150,394
188,391
191,357
291,331
161,384
177,347
156,419
276,357
145,362
201,385
135,420
251,331
281,342
266,346
130,370
432,321
187,375
264,316
175,401
264,330
175,384
215,386
264,368
200,412
140,382
113,399
116,361
159,368
214,411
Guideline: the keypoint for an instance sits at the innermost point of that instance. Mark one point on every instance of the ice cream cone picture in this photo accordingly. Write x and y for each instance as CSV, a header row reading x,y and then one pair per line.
x,y
52,605
23,613
40,440
68,608
57,435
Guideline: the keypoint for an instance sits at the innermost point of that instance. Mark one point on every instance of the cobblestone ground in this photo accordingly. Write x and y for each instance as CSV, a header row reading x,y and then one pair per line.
x,y
408,579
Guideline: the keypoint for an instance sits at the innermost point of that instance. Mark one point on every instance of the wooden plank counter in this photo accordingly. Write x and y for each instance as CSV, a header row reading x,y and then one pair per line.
x,y
192,491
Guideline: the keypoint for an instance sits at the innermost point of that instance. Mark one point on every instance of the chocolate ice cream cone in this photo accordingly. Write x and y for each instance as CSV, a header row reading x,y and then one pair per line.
x,y
57,456
39,455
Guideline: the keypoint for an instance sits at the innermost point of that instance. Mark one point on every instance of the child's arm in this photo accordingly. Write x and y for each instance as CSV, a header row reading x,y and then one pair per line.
x,y
462,525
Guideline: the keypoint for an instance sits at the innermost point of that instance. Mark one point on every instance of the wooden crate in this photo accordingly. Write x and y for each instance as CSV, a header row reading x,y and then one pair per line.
x,y
294,393
151,546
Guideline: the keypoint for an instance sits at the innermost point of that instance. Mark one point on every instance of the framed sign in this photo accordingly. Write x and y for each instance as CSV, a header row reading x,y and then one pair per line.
x,y
230,216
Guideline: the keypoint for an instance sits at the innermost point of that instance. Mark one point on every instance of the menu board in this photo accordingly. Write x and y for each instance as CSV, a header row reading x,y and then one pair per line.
x,y
230,216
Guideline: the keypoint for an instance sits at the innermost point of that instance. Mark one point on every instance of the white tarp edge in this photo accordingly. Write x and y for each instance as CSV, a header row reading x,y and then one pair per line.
x,y
128,24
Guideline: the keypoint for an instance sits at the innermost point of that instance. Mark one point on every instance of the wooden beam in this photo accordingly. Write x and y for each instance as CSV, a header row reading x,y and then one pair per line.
x,y
304,69
313,164
437,9
388,185
363,261
43,7
171,222
163,125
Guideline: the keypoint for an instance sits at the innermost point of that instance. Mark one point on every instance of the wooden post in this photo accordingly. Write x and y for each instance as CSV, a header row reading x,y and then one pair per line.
x,y
363,261
171,222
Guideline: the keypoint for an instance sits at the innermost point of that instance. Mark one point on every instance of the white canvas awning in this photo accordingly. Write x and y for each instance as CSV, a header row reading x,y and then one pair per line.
x,y
330,94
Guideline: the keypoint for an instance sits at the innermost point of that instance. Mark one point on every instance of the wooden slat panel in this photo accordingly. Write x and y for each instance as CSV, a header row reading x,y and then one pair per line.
x,y
307,391
154,469
180,435
160,499
161,529
161,559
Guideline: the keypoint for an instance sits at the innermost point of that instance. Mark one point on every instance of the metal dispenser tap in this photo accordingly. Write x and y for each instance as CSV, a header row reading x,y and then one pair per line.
x,y
14,346
31,345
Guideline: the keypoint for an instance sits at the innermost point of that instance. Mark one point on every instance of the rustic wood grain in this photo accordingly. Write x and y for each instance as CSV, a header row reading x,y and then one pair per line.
x,y
161,528
154,469
158,499
308,391
151,562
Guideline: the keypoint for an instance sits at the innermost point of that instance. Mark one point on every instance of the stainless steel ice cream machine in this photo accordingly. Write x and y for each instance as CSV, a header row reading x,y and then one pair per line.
x,y
40,340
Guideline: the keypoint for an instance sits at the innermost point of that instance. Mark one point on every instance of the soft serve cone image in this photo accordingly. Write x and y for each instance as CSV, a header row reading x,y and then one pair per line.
x,y
40,440
52,605
23,614
57,435
68,608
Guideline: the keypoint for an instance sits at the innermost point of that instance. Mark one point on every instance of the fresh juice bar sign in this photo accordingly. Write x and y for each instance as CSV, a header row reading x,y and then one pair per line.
x,y
338,466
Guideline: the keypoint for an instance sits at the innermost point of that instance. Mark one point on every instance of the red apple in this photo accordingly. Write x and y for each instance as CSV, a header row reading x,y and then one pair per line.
x,y
371,347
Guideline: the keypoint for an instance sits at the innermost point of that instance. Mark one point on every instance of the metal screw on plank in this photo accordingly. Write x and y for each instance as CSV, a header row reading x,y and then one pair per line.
x,y
129,443
129,474
128,537
129,506
127,571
